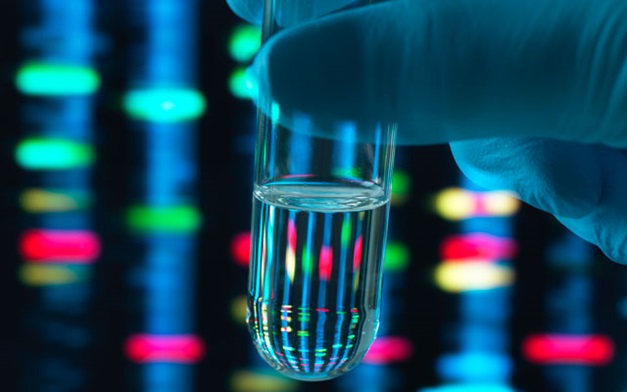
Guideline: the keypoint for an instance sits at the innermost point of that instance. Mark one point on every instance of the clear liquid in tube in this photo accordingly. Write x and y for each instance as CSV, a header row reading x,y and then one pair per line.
x,y
316,275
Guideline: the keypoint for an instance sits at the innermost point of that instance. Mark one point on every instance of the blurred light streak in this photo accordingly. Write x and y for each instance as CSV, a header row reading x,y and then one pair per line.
x,y
478,366
37,200
53,154
386,350
498,203
401,187
477,246
454,203
169,219
56,79
68,246
458,204
240,249
470,387
144,348
244,42
477,266
164,104
472,275
397,256
560,349
48,275
261,381
239,309
241,85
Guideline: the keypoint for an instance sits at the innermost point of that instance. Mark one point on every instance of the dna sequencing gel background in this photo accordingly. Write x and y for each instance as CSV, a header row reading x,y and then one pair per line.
x,y
126,155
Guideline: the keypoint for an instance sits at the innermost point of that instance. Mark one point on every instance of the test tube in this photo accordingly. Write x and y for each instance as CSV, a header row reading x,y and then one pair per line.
x,y
319,227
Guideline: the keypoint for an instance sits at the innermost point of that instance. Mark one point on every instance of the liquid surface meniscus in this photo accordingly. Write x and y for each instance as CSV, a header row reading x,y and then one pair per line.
x,y
315,278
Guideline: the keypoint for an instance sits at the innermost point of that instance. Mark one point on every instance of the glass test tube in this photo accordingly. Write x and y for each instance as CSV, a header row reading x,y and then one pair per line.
x,y
319,227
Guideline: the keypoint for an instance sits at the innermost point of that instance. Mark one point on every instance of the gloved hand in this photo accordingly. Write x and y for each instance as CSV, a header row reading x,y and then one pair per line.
x,y
531,93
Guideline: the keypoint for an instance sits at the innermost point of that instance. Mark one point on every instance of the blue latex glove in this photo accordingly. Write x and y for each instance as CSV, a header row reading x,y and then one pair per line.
x,y
543,83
